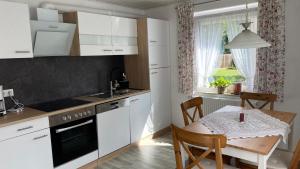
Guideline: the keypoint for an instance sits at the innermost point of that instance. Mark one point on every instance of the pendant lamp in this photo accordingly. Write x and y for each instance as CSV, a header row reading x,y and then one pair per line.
x,y
247,39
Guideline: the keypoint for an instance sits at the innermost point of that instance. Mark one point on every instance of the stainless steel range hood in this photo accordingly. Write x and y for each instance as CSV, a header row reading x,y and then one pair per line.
x,y
51,38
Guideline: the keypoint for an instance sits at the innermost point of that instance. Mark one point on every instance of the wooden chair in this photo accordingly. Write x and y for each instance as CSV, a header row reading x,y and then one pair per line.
x,y
196,104
279,160
186,106
212,142
268,98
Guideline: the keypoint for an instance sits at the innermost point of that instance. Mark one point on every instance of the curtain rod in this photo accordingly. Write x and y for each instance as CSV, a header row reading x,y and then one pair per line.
x,y
201,3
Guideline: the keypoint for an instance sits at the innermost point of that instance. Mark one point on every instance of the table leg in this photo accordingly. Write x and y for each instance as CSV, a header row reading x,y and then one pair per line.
x,y
262,162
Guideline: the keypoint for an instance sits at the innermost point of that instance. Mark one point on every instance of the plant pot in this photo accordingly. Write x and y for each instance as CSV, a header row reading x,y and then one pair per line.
x,y
221,90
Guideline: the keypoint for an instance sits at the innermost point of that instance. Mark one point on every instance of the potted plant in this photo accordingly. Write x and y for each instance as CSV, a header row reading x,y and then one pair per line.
x,y
221,83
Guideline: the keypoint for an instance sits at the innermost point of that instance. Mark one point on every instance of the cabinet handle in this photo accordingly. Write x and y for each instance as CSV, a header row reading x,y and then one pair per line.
x,y
25,128
119,50
154,73
107,50
22,51
52,27
153,41
37,138
134,100
154,64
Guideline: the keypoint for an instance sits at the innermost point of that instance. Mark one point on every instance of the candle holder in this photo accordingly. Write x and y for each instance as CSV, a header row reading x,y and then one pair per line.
x,y
242,117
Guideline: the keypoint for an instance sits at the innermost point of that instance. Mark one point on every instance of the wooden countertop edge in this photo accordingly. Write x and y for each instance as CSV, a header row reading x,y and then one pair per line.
x,y
29,114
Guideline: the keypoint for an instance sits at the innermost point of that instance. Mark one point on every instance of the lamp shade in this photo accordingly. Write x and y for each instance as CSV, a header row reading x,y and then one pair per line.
x,y
247,39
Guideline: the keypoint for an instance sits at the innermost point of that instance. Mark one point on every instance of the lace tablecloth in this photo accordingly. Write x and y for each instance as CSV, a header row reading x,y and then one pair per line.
x,y
257,124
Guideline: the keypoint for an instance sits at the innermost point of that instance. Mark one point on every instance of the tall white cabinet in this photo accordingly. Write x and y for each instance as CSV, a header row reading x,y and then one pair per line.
x,y
15,33
159,65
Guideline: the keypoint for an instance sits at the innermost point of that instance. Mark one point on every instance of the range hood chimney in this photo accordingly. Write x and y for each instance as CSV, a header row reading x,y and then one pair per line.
x,y
49,36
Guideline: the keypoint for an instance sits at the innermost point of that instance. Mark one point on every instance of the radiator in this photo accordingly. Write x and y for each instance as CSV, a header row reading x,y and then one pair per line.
x,y
212,104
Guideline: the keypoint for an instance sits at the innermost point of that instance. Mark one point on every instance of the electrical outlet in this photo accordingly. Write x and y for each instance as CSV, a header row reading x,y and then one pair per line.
x,y
8,92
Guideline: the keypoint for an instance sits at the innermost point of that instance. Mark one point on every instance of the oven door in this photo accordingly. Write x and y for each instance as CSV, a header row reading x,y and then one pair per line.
x,y
73,140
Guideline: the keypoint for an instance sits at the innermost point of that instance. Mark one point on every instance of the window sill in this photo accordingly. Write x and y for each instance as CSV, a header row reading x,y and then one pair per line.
x,y
225,96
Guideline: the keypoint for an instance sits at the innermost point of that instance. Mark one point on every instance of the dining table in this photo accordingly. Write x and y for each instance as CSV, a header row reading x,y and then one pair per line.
x,y
257,149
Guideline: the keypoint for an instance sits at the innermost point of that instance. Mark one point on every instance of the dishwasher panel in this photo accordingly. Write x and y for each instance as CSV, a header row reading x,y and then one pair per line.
x,y
113,126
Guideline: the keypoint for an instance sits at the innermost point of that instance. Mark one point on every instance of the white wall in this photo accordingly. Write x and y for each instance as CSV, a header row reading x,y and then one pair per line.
x,y
101,6
292,90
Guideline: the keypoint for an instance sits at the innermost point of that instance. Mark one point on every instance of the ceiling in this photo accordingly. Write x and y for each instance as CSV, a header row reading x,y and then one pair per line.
x,y
141,4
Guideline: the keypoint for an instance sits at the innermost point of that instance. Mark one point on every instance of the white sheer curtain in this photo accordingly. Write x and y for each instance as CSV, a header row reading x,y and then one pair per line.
x,y
245,59
208,39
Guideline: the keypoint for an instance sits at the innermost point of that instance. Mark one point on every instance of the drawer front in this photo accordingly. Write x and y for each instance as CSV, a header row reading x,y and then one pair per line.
x,y
23,128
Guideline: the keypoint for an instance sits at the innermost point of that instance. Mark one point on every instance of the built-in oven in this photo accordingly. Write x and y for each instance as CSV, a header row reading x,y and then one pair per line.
x,y
74,135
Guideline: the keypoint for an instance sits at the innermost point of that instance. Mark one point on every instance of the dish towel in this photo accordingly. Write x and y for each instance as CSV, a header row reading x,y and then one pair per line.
x,y
257,124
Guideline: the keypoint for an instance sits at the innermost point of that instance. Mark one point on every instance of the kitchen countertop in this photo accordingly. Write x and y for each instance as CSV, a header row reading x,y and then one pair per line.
x,y
28,114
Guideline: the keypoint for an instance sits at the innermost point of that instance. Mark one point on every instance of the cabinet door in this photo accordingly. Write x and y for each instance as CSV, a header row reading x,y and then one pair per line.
x,y
158,56
140,119
94,24
124,36
15,33
113,130
124,27
160,98
30,151
158,32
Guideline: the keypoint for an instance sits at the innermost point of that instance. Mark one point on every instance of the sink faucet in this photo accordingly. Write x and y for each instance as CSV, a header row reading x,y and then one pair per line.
x,y
113,87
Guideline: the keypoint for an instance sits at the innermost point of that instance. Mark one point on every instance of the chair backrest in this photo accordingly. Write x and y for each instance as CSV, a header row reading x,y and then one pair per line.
x,y
185,139
267,98
295,163
193,103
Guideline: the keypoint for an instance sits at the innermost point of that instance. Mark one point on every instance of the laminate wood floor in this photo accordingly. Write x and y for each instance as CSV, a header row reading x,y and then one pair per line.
x,y
148,154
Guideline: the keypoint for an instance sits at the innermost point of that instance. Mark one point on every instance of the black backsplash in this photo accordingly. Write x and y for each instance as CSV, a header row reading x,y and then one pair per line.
x,y
51,78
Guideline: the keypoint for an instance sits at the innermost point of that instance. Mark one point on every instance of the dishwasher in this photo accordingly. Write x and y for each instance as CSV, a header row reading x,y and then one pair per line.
x,y
113,123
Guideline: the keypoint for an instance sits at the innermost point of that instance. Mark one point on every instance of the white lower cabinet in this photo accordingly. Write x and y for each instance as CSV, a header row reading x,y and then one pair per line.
x,y
140,119
30,151
113,130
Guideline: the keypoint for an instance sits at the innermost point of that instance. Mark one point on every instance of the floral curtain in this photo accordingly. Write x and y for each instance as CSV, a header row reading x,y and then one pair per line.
x,y
185,14
270,72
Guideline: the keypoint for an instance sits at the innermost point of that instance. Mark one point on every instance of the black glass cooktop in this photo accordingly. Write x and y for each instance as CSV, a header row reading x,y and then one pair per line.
x,y
58,104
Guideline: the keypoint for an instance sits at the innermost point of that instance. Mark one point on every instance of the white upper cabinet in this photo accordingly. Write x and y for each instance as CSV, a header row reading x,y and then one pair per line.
x,y
124,36
15,31
158,32
106,35
94,24
124,27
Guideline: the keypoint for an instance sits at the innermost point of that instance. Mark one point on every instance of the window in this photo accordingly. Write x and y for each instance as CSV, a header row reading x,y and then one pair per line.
x,y
213,61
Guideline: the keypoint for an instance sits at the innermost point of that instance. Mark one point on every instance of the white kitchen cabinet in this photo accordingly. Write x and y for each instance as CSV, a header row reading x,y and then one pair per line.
x,y
124,27
15,33
94,24
30,151
158,56
158,32
113,129
160,98
140,118
124,36
106,35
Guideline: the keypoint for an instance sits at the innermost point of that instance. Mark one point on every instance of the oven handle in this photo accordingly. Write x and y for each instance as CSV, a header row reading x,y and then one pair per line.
x,y
72,127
